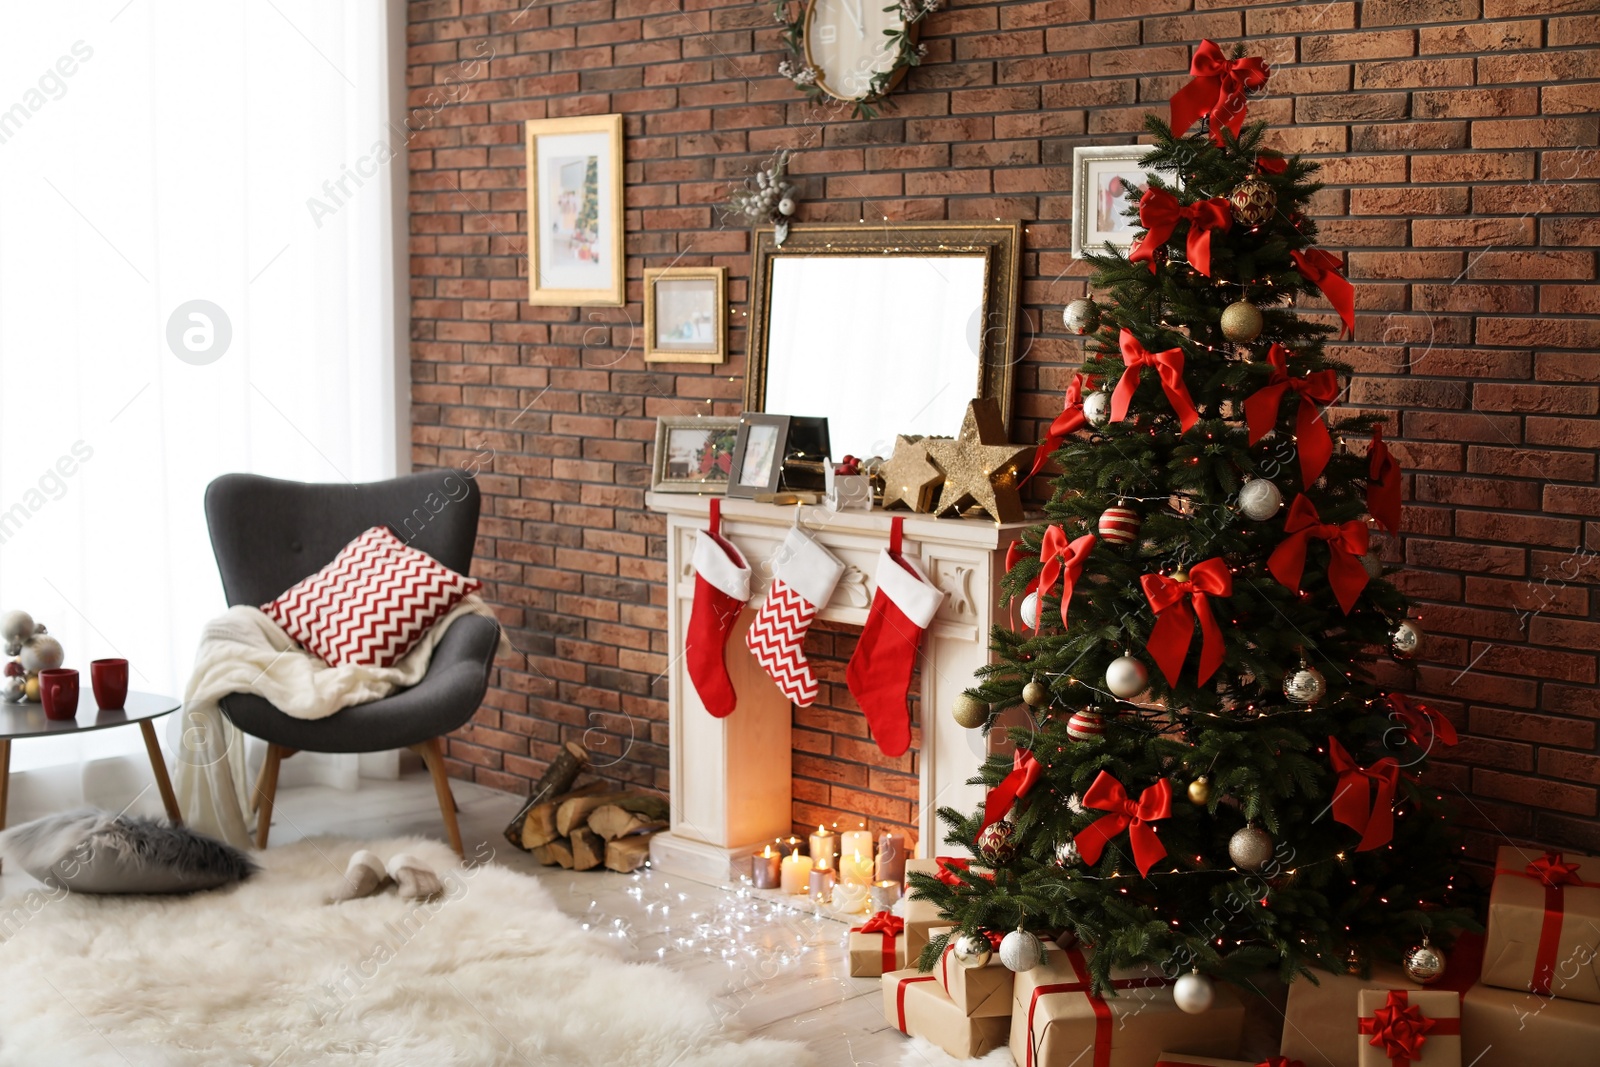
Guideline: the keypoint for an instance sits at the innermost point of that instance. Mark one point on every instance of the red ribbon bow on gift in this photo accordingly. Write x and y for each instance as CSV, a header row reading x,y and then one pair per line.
x,y
1553,870
1311,433
1160,212
1364,797
1217,90
946,868
1061,561
883,923
1070,421
1107,794
1422,724
1399,1029
1280,1061
1025,772
1169,364
1321,269
1346,542
1174,630
1383,483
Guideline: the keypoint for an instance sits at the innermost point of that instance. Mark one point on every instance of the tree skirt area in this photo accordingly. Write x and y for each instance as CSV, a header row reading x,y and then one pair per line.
x,y
267,973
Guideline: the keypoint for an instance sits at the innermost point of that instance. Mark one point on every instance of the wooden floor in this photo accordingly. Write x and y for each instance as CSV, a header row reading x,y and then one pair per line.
x,y
770,970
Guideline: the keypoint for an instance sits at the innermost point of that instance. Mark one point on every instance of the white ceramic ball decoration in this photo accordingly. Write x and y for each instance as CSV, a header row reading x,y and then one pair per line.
x,y
786,206
1021,951
1126,677
1030,610
1097,408
42,653
1194,993
971,951
1260,499
14,689
16,626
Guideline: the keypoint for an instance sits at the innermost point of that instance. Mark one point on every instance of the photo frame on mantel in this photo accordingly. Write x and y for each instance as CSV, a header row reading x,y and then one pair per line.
x,y
883,329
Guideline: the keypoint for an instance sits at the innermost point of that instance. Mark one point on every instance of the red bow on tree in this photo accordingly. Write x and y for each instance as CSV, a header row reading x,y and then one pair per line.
x,y
1174,630
1025,772
1346,542
1070,421
1217,91
883,923
1398,1028
1383,483
1311,433
1321,269
1107,794
1364,797
1064,561
1271,165
1422,724
1160,213
1553,870
1168,364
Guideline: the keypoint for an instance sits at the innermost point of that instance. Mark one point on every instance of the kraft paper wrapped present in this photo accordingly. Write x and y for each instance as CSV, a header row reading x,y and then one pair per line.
x,y
1057,1022
877,946
1515,1028
1180,1059
1409,1028
921,915
1544,924
980,992
914,1004
1316,1023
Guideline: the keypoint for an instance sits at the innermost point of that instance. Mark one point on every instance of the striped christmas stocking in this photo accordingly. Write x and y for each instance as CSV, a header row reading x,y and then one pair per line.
x,y
802,582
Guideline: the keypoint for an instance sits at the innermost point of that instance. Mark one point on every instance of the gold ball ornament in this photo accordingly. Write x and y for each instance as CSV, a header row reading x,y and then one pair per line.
x,y
1242,322
997,844
1424,964
1253,201
969,711
1036,694
1250,849
1200,791
32,689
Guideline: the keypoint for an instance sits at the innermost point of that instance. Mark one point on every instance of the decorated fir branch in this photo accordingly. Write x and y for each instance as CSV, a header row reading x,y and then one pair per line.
x,y
1212,782
901,43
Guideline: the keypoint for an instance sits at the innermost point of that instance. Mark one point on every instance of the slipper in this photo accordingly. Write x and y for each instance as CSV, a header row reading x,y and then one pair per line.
x,y
416,881
364,877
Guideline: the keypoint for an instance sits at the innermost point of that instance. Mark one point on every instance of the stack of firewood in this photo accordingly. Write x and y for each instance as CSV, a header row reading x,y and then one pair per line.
x,y
582,827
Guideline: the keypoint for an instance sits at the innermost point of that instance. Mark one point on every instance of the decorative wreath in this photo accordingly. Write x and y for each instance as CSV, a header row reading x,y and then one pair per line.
x,y
906,51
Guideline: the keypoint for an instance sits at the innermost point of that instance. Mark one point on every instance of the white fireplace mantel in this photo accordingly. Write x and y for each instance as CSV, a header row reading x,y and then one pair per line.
x,y
730,778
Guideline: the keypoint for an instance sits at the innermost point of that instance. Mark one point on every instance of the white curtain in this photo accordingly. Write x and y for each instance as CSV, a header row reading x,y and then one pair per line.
x,y
173,172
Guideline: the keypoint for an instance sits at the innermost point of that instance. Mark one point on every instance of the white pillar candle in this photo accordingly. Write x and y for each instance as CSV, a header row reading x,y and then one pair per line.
x,y
856,841
824,849
796,876
855,868
849,898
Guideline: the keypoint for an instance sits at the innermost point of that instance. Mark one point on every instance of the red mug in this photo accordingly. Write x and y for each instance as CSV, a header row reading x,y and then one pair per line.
x,y
58,689
110,680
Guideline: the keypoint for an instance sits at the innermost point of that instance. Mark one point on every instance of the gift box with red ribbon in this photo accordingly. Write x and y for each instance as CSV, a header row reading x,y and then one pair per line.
x,y
1513,1028
877,946
1057,1021
1179,1059
1316,1022
915,1004
1544,924
980,992
1409,1028
920,915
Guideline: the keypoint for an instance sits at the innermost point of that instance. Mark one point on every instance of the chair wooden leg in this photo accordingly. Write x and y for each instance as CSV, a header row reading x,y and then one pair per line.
x,y
5,778
266,790
433,757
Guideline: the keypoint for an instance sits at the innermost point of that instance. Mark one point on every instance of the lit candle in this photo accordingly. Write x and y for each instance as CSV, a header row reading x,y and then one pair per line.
x,y
824,848
764,868
885,894
796,874
849,898
855,869
891,858
822,882
858,841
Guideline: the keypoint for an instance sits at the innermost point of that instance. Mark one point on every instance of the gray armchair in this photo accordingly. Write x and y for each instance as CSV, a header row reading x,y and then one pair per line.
x,y
268,534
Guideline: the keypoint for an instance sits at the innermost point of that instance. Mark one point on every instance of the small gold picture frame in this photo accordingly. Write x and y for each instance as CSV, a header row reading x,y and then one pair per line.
x,y
576,256
686,315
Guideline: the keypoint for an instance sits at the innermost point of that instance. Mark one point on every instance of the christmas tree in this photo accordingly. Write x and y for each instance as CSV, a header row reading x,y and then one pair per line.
x,y
1211,779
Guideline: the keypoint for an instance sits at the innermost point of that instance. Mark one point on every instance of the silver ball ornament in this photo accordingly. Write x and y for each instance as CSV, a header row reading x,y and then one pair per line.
x,y
16,626
1081,316
1424,964
42,652
1251,848
1067,853
969,712
1194,993
1097,408
1406,640
1030,611
1021,951
971,951
1126,677
1259,499
1305,685
14,688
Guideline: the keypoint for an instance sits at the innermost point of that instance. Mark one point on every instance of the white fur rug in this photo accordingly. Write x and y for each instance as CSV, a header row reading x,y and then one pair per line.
x,y
265,973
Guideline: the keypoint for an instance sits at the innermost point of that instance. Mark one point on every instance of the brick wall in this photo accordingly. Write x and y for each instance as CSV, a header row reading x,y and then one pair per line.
x,y
1459,150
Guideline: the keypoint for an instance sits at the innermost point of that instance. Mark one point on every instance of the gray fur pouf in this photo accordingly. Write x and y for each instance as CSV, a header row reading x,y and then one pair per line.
x,y
93,851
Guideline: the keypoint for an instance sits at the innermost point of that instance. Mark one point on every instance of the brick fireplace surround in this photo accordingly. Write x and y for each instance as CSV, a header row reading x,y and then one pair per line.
x,y
1459,147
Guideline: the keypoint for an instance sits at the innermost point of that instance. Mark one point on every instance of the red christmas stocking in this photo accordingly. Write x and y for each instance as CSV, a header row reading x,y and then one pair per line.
x,y
802,582
721,588
879,673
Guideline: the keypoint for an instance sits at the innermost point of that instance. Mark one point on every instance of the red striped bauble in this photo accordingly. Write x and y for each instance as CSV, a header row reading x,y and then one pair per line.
x,y
1119,525
1085,724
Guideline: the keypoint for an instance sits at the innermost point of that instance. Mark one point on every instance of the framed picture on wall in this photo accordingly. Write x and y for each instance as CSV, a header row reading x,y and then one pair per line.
x,y
1106,180
694,454
758,454
686,315
575,250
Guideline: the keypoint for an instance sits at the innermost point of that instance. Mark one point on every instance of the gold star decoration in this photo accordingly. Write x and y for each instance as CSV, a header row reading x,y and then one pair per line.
x,y
980,466
909,477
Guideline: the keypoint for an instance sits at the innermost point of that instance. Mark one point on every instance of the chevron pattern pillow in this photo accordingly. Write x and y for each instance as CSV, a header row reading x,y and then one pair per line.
x,y
372,603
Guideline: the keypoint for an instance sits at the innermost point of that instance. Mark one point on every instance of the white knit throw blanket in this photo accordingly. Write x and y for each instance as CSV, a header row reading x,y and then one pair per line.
x,y
243,651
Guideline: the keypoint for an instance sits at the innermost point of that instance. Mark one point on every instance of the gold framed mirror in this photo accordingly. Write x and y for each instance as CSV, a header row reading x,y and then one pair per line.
x,y
883,329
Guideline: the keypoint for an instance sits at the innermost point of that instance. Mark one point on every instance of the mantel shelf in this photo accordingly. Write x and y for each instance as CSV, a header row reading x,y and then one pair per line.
x,y
928,529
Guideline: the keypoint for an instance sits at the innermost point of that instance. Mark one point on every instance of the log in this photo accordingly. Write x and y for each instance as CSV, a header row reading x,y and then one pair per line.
x,y
611,821
543,854
571,761
628,853
539,825
576,812
588,851
562,853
